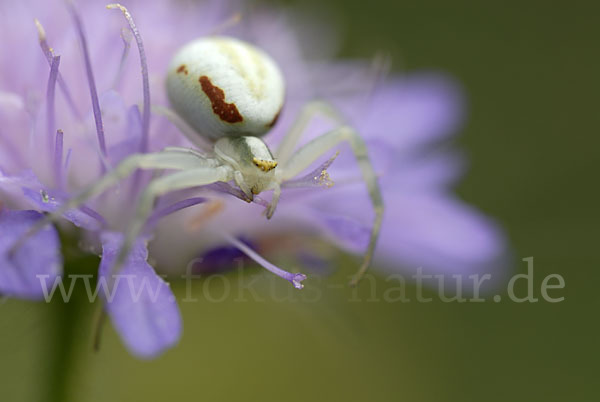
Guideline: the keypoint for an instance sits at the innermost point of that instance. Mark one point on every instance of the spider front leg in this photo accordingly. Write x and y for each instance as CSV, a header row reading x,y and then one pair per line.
x,y
274,201
291,138
176,181
310,152
308,112
168,159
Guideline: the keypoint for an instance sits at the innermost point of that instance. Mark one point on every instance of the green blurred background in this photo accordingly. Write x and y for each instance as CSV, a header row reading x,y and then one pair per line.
x,y
530,73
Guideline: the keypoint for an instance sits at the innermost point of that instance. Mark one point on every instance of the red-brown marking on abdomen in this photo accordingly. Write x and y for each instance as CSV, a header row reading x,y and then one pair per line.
x,y
226,111
182,69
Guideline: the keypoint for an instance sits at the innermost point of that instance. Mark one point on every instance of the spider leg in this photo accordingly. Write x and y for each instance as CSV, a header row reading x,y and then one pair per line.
x,y
308,112
162,185
274,200
306,155
158,160
289,141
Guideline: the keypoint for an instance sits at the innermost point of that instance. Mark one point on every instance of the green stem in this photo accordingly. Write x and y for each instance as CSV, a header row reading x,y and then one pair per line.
x,y
69,341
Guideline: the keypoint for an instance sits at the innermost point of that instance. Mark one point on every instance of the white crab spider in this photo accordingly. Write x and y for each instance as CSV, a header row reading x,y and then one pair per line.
x,y
230,93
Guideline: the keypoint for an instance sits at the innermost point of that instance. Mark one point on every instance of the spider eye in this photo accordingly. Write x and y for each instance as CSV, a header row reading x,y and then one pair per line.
x,y
264,165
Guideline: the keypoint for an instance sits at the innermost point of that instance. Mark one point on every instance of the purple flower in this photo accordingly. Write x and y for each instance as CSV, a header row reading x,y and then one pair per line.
x,y
142,307
38,260
73,104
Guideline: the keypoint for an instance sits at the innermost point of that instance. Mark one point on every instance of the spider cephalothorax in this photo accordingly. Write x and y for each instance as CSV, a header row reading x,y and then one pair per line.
x,y
252,160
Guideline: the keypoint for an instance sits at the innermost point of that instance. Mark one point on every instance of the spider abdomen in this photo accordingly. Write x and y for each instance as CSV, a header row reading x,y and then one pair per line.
x,y
224,87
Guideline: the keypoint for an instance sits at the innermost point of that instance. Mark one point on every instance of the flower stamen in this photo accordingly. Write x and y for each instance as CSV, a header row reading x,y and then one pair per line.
x,y
49,54
58,156
294,278
90,77
126,36
50,109
145,80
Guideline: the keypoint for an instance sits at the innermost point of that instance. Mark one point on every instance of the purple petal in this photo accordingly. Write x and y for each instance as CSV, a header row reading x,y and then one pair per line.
x,y
440,234
13,185
143,308
428,229
38,256
220,259
131,140
435,171
49,201
413,112
349,233
431,171
172,208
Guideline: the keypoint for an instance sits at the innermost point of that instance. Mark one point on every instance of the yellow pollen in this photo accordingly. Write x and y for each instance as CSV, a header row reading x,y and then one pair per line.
x,y
324,179
264,165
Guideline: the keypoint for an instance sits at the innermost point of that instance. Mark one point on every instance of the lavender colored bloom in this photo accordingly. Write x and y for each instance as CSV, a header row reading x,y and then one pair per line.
x,y
425,225
73,109
38,260
142,307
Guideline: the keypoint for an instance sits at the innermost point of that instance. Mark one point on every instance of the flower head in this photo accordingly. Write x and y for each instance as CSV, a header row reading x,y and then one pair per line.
x,y
74,102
